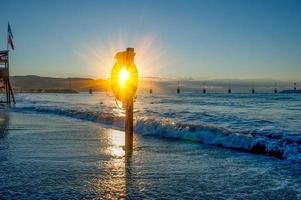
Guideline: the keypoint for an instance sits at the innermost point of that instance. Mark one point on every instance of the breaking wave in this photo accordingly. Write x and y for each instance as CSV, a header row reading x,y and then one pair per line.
x,y
283,147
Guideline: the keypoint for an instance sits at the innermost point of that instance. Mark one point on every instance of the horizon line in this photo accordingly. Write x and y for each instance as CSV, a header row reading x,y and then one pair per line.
x,y
170,78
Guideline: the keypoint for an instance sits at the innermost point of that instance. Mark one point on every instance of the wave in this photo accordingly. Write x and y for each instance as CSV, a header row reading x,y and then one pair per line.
x,y
280,146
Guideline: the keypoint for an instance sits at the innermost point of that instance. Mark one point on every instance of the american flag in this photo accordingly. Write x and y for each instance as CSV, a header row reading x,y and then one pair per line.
x,y
10,38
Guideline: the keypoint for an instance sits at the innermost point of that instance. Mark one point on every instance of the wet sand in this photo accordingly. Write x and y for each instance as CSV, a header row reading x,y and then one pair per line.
x,y
43,156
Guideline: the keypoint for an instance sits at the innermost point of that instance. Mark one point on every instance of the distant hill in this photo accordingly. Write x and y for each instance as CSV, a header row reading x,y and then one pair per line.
x,y
38,82
159,85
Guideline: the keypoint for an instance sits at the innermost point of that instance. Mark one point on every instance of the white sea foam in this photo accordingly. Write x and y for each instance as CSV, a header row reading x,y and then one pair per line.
x,y
281,147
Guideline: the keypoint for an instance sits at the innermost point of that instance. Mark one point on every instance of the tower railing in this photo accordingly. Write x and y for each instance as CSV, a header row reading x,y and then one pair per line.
x,y
4,77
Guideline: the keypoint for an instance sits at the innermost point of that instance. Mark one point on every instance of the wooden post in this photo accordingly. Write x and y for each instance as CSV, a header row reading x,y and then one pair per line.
x,y
7,92
126,92
129,125
4,75
12,92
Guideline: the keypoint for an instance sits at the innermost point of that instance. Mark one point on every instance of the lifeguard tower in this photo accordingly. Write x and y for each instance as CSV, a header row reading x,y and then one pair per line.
x,y
5,86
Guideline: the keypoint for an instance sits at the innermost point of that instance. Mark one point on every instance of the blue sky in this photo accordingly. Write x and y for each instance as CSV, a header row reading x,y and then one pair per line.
x,y
199,39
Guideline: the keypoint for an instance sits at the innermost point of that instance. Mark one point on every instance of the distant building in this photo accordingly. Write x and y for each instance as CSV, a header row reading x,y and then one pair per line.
x,y
295,90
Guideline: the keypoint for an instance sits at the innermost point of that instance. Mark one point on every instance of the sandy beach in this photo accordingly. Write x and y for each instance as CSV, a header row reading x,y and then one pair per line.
x,y
44,156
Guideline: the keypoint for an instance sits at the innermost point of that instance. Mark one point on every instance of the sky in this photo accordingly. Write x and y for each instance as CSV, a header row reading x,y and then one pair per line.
x,y
201,39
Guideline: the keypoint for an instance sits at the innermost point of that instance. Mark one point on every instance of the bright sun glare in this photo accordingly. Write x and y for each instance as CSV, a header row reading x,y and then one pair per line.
x,y
150,59
123,77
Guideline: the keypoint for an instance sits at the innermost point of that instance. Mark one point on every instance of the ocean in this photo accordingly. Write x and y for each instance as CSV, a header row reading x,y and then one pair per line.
x,y
261,123
192,145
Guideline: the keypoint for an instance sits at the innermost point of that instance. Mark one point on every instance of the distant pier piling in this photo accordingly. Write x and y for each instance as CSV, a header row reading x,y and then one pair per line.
x,y
253,91
295,86
151,88
204,88
229,91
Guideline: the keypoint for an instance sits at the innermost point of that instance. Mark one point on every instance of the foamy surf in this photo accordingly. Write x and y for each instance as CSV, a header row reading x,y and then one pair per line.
x,y
283,147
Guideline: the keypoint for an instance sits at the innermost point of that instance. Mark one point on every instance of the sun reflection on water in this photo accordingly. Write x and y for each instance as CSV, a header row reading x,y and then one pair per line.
x,y
117,143
110,182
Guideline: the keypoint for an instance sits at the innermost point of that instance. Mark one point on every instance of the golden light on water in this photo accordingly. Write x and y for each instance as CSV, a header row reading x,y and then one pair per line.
x,y
118,152
123,77
117,142
110,183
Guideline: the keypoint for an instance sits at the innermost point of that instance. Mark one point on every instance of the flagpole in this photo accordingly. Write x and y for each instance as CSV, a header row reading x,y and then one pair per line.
x,y
7,37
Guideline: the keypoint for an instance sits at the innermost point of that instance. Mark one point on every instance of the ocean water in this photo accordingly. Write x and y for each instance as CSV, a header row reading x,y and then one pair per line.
x,y
46,156
187,146
267,124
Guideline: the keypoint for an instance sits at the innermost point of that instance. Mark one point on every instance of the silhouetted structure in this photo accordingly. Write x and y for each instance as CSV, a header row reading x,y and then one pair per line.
x,y
178,89
126,91
229,91
204,88
292,91
275,90
151,89
90,91
253,91
4,77
295,86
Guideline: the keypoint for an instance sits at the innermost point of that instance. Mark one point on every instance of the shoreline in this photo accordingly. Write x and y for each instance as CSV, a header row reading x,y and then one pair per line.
x,y
88,162
213,136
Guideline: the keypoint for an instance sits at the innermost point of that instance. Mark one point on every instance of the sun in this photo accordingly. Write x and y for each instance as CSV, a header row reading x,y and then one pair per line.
x,y
152,56
123,77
